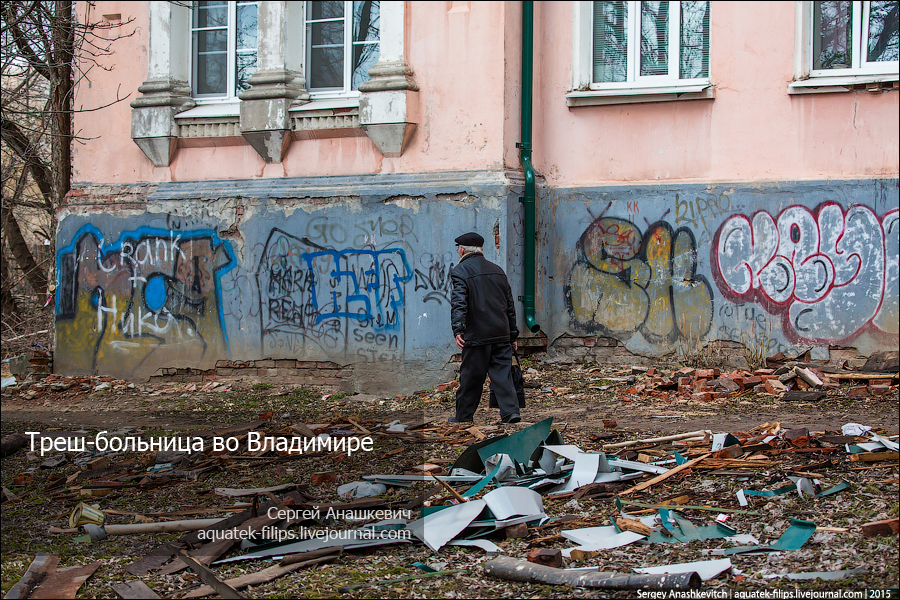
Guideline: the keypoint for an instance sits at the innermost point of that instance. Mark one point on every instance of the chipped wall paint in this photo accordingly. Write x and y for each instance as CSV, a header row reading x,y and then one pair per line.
x,y
246,270
251,269
814,263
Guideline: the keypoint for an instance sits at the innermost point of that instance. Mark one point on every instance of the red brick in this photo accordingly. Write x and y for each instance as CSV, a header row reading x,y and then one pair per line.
x,y
684,383
860,390
879,390
703,396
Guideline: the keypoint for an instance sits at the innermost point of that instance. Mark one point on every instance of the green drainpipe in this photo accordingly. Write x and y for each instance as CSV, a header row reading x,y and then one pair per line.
x,y
525,152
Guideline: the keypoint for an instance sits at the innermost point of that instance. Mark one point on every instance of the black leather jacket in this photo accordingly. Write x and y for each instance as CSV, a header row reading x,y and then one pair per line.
x,y
481,304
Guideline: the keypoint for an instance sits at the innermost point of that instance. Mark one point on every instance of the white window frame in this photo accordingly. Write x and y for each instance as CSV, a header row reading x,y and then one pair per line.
x,y
345,91
230,97
637,88
808,80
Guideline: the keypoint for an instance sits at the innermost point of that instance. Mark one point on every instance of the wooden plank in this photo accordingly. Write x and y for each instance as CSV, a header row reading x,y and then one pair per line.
x,y
210,578
874,456
134,590
260,577
666,475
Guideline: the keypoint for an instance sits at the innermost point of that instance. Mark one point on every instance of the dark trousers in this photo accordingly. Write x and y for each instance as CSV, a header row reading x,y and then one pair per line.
x,y
477,362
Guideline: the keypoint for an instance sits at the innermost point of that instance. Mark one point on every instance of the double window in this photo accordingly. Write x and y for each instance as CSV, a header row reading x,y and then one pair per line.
x,y
341,45
854,38
649,44
223,48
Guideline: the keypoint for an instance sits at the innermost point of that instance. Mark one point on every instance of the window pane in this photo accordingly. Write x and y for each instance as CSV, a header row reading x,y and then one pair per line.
x,y
211,14
883,32
212,73
366,22
211,41
364,58
655,38
832,23
327,69
245,35
327,34
610,41
326,10
694,40
244,67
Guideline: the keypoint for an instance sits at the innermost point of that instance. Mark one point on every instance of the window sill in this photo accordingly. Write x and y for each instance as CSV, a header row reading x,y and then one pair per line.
x,y
700,91
217,109
846,83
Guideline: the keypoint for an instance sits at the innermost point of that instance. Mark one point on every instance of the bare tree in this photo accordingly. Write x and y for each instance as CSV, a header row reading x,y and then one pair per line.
x,y
46,50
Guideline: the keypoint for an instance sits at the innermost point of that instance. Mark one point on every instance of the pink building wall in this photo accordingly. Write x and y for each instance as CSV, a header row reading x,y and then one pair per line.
x,y
457,51
752,130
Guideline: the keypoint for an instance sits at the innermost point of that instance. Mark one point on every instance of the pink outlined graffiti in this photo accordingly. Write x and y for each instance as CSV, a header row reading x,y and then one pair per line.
x,y
831,274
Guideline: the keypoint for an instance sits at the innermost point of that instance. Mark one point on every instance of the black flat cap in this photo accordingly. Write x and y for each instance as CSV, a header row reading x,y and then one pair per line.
x,y
470,239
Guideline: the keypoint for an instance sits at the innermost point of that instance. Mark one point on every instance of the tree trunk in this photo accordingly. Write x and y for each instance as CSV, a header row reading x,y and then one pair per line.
x,y
34,273
7,302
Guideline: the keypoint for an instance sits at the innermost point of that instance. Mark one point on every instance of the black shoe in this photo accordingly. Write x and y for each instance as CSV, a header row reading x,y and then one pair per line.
x,y
453,420
513,418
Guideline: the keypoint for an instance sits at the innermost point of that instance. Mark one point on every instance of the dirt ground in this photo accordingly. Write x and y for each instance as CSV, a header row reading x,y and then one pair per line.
x,y
580,397
590,406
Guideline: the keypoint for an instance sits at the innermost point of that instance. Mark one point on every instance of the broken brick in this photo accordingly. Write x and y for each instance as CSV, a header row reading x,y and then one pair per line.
x,y
859,390
875,528
319,478
550,557
879,390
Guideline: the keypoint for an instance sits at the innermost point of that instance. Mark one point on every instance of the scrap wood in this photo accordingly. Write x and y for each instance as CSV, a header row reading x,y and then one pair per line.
x,y
134,590
63,583
299,557
152,561
361,429
449,488
207,553
667,438
688,507
626,524
887,466
874,456
260,577
209,578
725,463
666,475
861,375
237,493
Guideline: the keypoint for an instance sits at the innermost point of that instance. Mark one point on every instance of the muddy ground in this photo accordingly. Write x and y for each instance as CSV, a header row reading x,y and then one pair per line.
x,y
579,398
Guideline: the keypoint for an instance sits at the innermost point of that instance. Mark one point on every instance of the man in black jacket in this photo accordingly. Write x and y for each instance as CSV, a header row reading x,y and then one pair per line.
x,y
483,318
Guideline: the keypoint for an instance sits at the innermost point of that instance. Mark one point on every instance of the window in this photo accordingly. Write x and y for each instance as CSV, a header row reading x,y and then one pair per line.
x,y
223,48
649,43
852,38
342,45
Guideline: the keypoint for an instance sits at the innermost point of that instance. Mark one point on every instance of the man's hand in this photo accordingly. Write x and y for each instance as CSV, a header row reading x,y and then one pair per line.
x,y
460,342
515,346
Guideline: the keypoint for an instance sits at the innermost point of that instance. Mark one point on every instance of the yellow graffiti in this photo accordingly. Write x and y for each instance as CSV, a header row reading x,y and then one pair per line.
x,y
629,283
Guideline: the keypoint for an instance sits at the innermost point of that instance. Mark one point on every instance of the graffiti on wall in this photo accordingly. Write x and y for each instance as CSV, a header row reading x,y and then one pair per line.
x,y
310,294
119,302
627,282
830,273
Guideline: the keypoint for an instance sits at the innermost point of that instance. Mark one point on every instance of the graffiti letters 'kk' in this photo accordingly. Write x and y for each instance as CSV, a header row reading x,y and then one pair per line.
x,y
830,273
303,285
118,302
627,282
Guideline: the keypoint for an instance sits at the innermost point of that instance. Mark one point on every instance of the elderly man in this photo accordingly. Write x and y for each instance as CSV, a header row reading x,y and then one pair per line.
x,y
483,318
